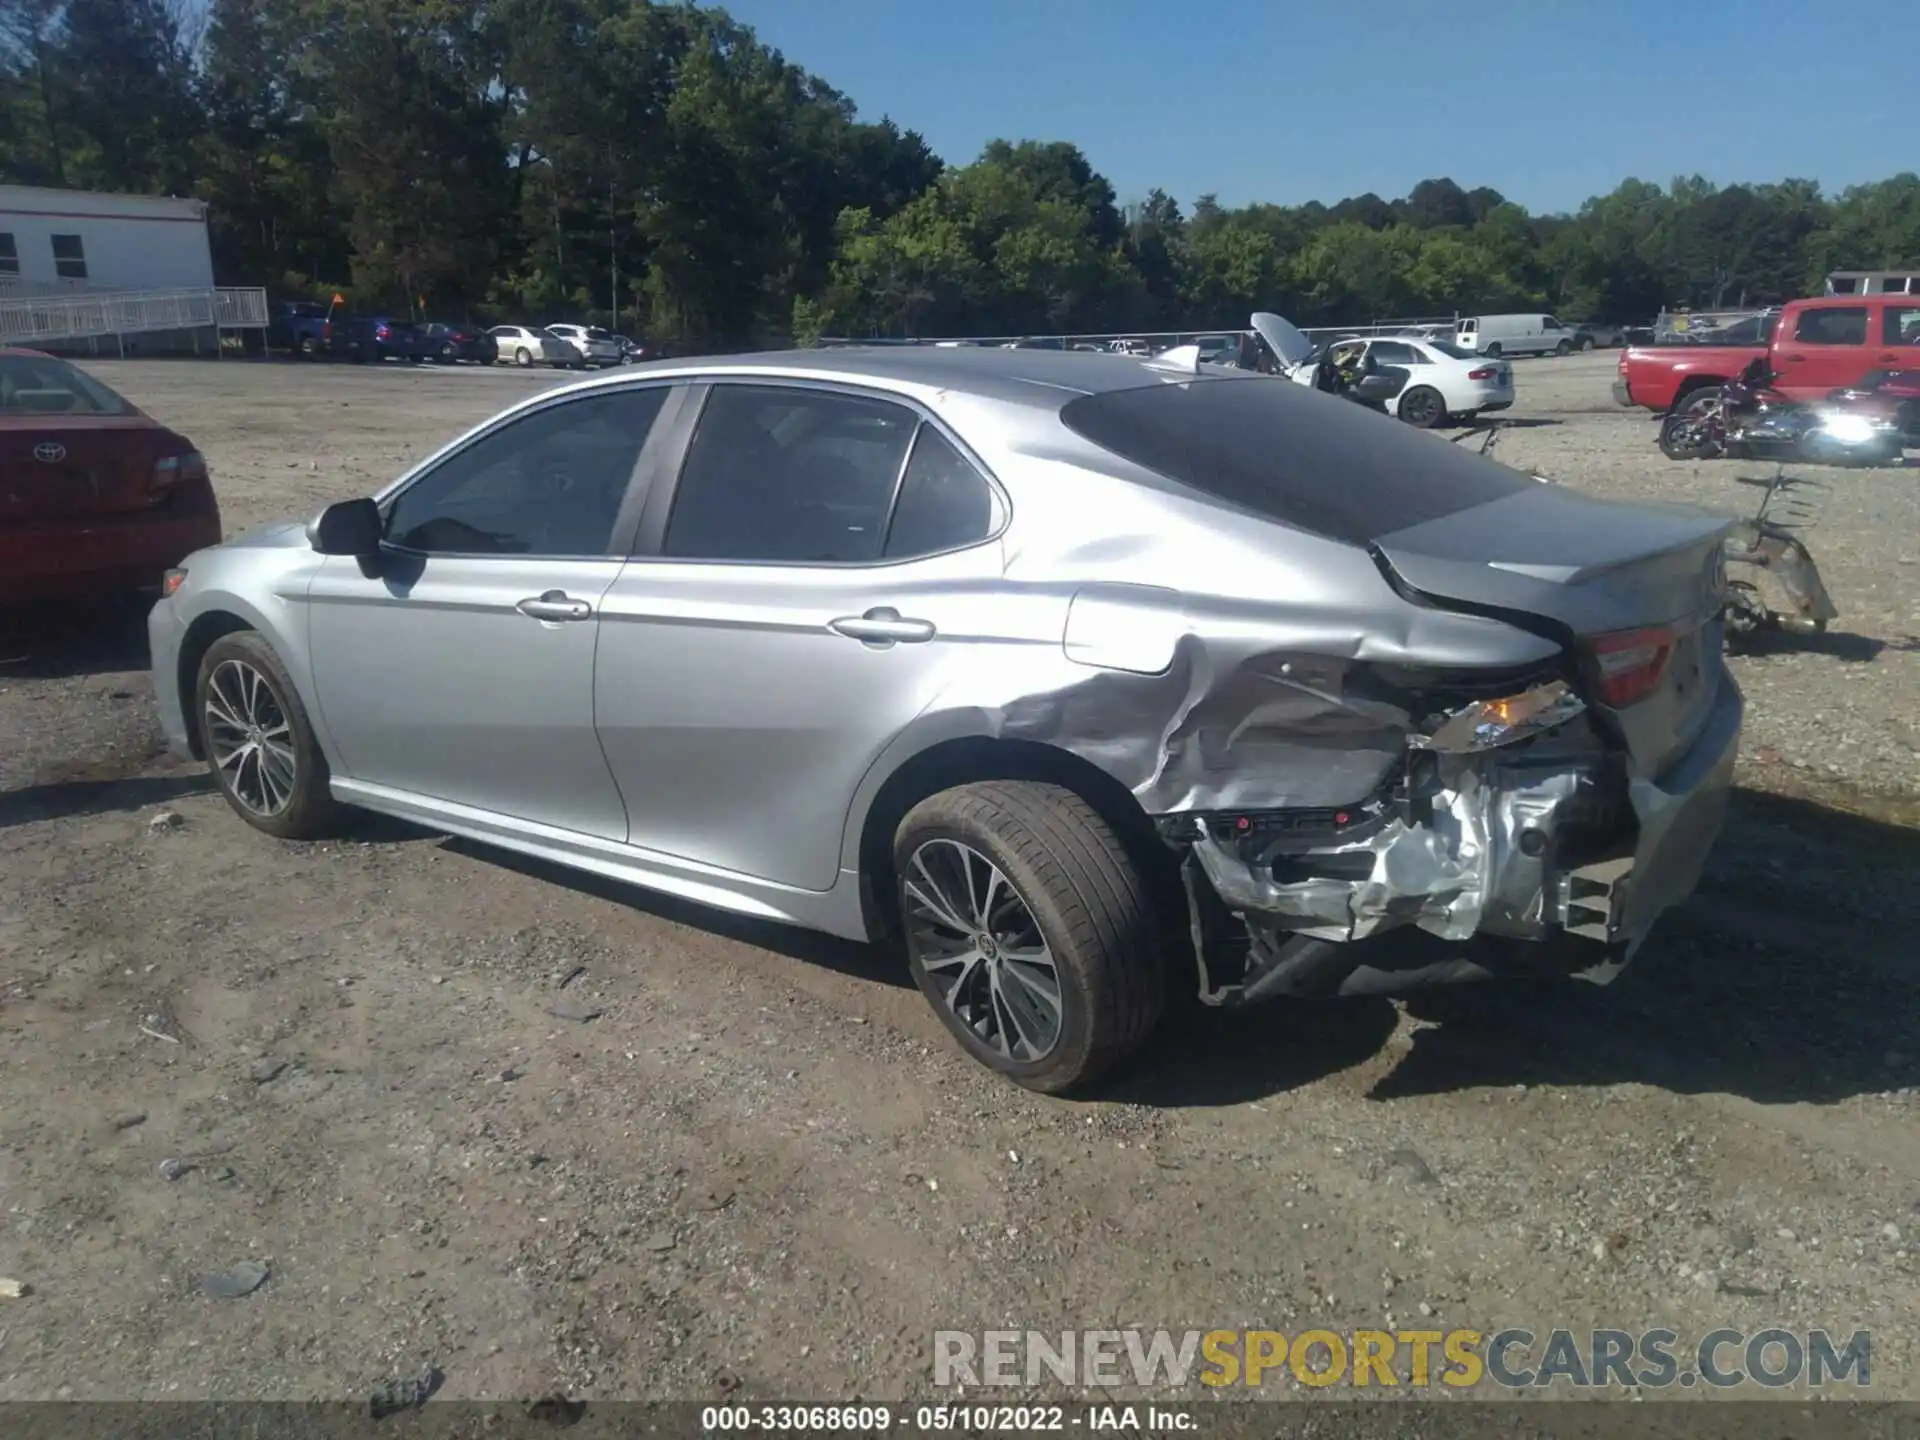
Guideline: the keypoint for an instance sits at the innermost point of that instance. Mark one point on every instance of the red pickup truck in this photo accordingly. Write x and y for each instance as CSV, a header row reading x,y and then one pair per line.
x,y
1815,346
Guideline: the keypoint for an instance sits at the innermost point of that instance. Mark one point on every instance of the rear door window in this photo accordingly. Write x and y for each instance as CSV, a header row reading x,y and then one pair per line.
x,y
1833,325
1286,453
1395,352
788,475
1901,326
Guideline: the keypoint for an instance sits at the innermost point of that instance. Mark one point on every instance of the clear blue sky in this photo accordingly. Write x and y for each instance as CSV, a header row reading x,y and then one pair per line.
x,y
1547,101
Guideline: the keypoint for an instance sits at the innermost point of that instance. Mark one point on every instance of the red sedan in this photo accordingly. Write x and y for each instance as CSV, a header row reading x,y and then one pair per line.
x,y
95,497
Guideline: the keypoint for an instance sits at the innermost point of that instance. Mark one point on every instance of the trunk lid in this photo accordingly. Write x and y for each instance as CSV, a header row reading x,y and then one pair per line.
x,y
59,467
1635,591
1283,336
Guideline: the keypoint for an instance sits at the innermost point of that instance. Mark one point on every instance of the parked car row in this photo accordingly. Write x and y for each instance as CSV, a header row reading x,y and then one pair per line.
x,y
314,332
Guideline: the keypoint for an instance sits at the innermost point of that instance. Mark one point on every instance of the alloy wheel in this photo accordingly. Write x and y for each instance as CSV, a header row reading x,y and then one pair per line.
x,y
1421,408
978,942
250,738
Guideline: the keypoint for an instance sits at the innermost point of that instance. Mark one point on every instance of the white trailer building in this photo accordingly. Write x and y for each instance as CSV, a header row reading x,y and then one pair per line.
x,y
82,240
82,268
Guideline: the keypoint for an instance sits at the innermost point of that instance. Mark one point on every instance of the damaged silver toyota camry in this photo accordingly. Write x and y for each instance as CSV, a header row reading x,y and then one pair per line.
x,y
1075,676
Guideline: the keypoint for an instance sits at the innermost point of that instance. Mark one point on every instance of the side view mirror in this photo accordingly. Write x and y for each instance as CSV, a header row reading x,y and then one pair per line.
x,y
351,527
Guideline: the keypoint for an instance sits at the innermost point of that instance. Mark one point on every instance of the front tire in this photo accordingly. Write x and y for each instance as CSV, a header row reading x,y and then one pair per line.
x,y
1422,407
1563,349
259,744
1684,436
1029,930
1492,352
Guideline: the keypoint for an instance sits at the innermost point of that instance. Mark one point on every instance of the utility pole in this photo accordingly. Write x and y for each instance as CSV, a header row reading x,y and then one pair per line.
x,y
613,246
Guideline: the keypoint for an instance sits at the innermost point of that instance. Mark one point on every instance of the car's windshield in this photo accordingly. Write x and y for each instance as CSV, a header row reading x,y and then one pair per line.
x,y
1286,453
42,385
1452,352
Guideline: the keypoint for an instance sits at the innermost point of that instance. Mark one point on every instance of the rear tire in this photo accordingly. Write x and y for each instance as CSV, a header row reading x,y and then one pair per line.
x,y
1675,443
1422,407
1004,869
523,357
259,744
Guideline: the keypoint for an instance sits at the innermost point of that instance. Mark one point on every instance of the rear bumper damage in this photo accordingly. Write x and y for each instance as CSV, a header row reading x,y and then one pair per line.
x,y
1550,857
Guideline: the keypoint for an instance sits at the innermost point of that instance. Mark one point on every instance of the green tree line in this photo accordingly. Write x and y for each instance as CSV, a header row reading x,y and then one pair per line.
x,y
658,165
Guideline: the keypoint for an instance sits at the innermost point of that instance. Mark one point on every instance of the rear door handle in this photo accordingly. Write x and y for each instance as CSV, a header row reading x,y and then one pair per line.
x,y
1796,358
881,627
1888,357
554,605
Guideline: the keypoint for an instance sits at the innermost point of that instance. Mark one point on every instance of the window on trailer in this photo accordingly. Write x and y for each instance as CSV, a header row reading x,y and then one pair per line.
x,y
69,257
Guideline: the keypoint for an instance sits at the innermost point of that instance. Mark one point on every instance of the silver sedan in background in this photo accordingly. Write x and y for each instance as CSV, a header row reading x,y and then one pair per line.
x,y
1066,674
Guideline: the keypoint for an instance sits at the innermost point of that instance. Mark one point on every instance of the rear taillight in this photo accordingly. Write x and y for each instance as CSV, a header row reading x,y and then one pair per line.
x,y
1485,372
1631,663
172,469
172,581
383,331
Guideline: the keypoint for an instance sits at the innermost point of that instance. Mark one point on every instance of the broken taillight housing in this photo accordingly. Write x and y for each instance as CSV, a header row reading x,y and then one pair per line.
x,y
172,580
172,469
1631,663
1487,724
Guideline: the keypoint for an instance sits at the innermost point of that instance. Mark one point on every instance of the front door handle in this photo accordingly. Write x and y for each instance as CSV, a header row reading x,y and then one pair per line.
x,y
554,605
1888,358
1796,358
882,626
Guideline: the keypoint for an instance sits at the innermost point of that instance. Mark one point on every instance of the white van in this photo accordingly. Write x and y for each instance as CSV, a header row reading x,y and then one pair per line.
x,y
1516,335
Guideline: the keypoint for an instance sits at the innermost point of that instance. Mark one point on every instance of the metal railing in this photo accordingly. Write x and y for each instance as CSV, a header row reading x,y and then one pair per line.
x,y
30,319
14,285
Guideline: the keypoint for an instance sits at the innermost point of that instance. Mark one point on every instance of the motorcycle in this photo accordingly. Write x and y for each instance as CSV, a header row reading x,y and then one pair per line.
x,y
1763,549
1749,419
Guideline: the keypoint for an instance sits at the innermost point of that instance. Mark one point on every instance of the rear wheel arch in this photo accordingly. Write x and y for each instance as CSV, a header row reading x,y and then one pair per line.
x,y
969,760
1692,384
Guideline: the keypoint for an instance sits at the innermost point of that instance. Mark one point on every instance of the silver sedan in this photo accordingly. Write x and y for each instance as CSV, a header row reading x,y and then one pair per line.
x,y
1068,675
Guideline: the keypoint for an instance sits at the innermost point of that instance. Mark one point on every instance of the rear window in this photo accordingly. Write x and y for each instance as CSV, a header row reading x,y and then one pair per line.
x,y
1287,453
41,385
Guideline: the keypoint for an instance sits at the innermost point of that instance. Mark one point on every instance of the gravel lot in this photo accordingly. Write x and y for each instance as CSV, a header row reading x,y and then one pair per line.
x,y
763,1169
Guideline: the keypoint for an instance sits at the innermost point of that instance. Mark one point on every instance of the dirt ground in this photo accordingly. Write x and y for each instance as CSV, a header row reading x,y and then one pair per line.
x,y
764,1170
